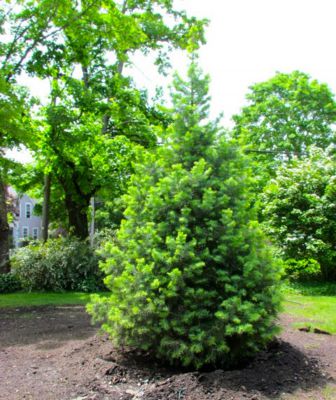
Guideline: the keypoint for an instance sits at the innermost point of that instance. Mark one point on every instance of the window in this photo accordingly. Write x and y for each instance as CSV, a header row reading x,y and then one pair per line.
x,y
35,233
28,210
25,232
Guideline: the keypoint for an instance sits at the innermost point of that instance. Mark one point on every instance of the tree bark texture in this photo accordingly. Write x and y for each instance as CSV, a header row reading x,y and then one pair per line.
x,y
77,214
46,206
4,232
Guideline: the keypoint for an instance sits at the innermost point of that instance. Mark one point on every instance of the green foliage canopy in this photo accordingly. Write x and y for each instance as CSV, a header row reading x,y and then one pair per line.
x,y
299,210
95,113
284,117
14,130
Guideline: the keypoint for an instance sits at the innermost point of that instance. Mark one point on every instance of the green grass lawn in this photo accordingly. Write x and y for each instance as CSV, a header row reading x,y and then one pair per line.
x,y
314,305
41,299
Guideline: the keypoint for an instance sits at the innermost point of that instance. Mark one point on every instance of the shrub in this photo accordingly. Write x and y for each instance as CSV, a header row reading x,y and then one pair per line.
x,y
57,265
191,278
300,211
9,283
302,270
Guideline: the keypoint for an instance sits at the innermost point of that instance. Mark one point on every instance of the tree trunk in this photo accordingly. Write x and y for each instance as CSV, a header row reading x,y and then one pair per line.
x,y
46,206
92,223
4,232
78,220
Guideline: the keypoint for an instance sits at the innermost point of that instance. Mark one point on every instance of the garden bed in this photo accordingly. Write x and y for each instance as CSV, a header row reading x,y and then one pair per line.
x,y
53,353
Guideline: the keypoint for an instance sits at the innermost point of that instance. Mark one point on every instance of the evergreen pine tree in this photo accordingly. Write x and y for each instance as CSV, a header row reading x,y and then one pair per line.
x,y
191,277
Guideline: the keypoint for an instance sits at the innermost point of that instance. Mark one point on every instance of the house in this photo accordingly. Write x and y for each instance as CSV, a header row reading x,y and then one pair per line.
x,y
25,225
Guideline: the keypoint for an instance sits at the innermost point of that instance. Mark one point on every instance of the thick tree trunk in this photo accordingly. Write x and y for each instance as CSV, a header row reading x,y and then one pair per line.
x,y
78,220
46,206
4,232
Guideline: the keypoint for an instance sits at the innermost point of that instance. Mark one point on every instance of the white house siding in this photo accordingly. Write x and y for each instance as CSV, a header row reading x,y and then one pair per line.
x,y
26,223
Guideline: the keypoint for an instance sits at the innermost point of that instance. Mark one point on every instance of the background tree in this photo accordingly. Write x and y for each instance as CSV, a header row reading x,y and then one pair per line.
x,y
14,130
83,49
191,278
299,210
284,117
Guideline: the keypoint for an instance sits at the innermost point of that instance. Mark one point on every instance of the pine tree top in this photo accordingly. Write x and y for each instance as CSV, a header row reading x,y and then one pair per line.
x,y
192,133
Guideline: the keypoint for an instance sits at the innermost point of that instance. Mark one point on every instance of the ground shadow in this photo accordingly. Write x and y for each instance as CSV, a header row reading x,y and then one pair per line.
x,y
282,368
47,326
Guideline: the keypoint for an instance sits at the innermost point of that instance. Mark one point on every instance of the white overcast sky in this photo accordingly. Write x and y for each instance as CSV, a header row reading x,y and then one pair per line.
x,y
248,41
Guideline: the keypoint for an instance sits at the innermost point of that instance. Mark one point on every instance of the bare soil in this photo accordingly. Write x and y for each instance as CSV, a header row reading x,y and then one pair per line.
x,y
54,353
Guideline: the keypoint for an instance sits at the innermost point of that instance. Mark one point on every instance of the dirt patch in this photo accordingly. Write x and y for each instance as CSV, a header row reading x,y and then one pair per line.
x,y
53,353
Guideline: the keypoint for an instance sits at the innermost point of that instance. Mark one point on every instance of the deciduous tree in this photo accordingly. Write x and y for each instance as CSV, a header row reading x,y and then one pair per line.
x,y
284,117
14,130
83,47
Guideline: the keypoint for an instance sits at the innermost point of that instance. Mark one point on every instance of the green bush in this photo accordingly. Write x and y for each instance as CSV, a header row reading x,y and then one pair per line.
x,y
9,283
299,210
192,279
302,270
58,265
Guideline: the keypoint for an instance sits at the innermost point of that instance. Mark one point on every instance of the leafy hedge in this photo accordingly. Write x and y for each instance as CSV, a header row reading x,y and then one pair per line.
x,y
58,265
305,270
9,283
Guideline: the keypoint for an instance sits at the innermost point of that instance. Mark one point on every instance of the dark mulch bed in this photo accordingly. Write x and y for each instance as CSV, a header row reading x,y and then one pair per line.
x,y
53,353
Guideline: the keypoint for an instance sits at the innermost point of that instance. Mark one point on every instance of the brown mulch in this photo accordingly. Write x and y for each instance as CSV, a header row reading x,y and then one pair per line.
x,y
53,353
